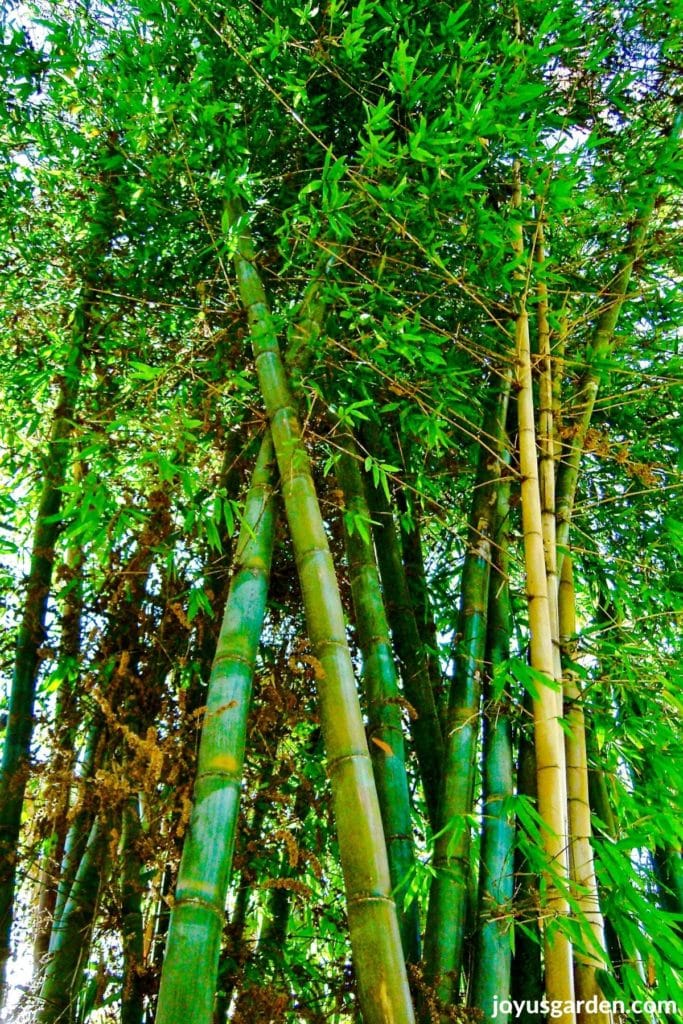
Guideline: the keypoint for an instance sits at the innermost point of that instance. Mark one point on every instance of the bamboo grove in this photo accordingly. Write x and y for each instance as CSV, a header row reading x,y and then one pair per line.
x,y
341,512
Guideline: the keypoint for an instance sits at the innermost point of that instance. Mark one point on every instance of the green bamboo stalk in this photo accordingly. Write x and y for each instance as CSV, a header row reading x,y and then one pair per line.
x,y
19,731
586,962
669,871
198,911
66,722
549,741
446,915
217,569
425,728
493,949
416,578
385,729
70,942
601,806
527,972
546,454
132,886
79,829
602,343
232,955
375,940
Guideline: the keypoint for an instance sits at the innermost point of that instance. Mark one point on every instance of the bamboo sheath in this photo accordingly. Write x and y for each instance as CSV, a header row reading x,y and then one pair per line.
x,y
493,948
602,342
581,864
385,729
549,742
446,916
383,990
197,916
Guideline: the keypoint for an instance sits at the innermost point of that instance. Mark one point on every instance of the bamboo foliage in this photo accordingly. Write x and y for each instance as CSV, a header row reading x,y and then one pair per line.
x,y
371,148
602,342
375,940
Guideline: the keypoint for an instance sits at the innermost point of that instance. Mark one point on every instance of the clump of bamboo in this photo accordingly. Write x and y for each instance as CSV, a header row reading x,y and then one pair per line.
x,y
375,940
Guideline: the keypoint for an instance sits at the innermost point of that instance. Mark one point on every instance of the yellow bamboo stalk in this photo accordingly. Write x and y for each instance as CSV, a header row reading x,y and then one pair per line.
x,y
581,864
546,462
550,761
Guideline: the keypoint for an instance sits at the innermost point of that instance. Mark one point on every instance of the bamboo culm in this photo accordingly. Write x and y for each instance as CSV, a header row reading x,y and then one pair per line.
x,y
385,729
17,744
446,917
549,740
493,948
197,916
413,560
70,939
383,990
132,886
67,719
425,727
594,956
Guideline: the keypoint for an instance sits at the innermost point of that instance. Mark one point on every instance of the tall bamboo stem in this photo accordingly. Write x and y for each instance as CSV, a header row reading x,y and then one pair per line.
x,y
582,868
17,744
425,728
70,941
197,916
132,885
413,560
446,915
385,729
493,949
546,449
66,721
527,970
550,760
